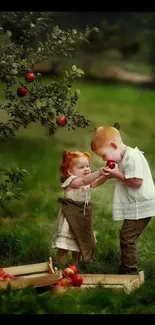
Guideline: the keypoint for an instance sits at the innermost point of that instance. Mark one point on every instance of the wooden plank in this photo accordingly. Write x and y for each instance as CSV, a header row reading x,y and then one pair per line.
x,y
25,269
36,281
62,290
141,277
40,274
84,286
107,278
131,286
35,275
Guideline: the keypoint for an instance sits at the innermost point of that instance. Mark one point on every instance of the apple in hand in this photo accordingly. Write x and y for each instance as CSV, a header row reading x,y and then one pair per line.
x,y
22,91
110,164
74,268
61,120
29,77
68,272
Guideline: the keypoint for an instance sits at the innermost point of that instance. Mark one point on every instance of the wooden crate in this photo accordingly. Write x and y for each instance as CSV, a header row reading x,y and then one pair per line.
x,y
37,275
124,282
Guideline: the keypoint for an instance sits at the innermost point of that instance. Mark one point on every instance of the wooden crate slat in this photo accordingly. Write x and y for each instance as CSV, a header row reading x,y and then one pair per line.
x,y
25,269
34,281
132,285
105,285
107,278
35,275
102,285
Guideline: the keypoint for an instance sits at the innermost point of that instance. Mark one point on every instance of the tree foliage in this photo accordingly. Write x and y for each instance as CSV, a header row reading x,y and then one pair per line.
x,y
40,102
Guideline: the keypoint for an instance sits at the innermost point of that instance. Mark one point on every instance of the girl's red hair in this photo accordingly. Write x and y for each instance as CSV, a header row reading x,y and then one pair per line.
x,y
68,161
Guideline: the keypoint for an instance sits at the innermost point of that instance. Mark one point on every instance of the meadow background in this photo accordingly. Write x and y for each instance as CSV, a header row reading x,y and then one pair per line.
x,y
27,228
26,233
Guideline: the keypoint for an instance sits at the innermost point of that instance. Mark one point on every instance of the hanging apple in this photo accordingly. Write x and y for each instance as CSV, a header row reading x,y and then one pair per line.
x,y
110,164
29,77
61,120
22,91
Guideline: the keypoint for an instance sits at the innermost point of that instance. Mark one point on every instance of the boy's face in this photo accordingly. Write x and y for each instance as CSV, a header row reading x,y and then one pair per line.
x,y
109,152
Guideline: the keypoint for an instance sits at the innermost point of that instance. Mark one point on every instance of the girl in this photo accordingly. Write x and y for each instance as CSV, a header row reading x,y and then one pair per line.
x,y
74,223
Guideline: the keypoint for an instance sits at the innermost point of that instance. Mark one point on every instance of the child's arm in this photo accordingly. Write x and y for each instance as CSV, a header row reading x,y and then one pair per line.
x,y
101,180
132,182
86,180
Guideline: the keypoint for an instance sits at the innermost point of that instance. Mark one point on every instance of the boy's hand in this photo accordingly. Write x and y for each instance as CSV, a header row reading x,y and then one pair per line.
x,y
113,173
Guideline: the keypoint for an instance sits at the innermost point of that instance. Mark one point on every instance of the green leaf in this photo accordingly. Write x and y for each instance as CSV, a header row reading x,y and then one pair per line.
x,y
25,171
56,30
9,194
80,71
74,68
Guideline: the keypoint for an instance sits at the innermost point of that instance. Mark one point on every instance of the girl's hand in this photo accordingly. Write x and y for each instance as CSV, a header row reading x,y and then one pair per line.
x,y
104,172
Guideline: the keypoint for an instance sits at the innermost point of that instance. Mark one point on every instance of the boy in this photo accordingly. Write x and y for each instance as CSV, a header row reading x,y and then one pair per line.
x,y
134,195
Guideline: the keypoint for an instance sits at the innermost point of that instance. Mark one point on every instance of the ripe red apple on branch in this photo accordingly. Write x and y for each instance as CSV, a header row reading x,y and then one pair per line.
x,y
30,77
22,91
61,120
110,164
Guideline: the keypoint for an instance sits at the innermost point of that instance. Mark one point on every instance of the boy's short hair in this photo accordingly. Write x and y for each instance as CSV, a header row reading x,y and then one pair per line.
x,y
102,136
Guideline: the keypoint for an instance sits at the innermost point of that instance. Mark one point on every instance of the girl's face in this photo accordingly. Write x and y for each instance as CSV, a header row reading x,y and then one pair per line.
x,y
81,167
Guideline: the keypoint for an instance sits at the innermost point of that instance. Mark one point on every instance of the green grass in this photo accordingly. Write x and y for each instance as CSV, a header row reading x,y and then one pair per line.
x,y
26,233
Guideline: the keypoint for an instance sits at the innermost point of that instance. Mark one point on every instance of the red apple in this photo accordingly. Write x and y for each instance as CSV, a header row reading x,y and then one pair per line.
x,y
61,120
77,280
7,277
66,282
2,273
29,77
68,272
58,284
110,164
22,91
12,277
74,268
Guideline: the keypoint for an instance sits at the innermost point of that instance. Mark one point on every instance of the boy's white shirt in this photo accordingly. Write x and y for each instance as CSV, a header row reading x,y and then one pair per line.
x,y
128,202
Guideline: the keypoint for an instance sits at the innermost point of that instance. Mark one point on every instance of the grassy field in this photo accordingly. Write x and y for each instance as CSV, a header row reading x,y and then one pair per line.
x,y
26,233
